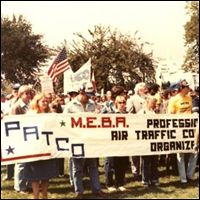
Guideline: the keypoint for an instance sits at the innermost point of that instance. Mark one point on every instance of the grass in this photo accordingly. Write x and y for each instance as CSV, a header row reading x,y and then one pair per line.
x,y
59,188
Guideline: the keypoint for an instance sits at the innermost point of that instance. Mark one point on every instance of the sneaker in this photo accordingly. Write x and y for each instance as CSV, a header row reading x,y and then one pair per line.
x,y
112,189
5,178
183,181
23,192
122,189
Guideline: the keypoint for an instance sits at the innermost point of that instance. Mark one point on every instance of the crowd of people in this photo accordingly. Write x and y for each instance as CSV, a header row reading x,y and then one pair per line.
x,y
143,99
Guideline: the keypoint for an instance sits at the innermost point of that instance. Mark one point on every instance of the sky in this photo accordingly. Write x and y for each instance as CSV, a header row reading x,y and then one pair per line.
x,y
160,23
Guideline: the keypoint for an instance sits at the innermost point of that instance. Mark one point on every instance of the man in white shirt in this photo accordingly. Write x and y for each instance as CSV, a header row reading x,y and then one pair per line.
x,y
133,105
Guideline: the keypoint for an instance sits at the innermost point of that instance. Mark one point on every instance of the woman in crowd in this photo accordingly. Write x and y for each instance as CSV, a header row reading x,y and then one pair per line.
x,y
40,171
109,107
120,163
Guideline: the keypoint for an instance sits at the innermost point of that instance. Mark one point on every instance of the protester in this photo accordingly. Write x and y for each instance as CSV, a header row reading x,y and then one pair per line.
x,y
120,164
15,89
73,92
5,107
79,104
134,104
182,104
109,107
21,107
39,172
171,159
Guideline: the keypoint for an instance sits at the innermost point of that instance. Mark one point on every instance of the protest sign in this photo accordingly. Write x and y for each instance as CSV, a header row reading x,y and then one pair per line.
x,y
46,83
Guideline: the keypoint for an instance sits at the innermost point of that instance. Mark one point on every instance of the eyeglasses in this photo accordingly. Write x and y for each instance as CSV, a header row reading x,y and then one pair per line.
x,y
121,102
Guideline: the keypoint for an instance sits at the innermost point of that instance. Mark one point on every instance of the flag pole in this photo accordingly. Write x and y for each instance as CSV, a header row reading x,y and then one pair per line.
x,y
65,44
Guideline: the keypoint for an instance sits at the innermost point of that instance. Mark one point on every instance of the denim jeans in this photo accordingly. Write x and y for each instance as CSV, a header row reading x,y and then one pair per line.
x,y
109,171
78,165
150,169
10,171
20,184
191,164
190,167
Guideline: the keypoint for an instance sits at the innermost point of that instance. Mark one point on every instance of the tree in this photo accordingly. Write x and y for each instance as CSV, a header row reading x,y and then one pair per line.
x,y
116,58
191,62
22,52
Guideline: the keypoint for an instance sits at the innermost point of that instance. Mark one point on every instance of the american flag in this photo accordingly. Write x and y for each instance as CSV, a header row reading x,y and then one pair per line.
x,y
59,65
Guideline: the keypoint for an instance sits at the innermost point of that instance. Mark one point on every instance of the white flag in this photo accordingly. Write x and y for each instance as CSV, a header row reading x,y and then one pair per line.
x,y
83,75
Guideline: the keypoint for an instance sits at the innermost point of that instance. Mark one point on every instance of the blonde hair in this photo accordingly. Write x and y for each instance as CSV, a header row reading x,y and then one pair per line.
x,y
34,105
149,100
139,86
118,99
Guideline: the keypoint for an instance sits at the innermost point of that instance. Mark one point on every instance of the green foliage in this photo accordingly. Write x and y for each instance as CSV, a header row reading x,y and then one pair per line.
x,y
116,58
22,52
191,62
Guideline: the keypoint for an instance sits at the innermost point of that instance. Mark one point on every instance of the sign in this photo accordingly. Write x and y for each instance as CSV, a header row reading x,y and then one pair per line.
x,y
27,138
46,83
74,80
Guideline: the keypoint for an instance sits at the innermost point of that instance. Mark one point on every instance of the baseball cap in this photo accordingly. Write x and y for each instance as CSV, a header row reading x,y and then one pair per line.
x,y
16,86
174,87
89,90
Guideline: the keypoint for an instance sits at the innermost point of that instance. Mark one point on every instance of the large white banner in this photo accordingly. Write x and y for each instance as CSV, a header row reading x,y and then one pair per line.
x,y
43,136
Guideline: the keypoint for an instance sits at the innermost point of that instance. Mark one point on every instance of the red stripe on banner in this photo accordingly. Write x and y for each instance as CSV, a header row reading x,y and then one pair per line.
x,y
24,157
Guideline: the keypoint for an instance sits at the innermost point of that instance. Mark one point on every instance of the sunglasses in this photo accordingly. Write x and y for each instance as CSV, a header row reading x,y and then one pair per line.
x,y
121,102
